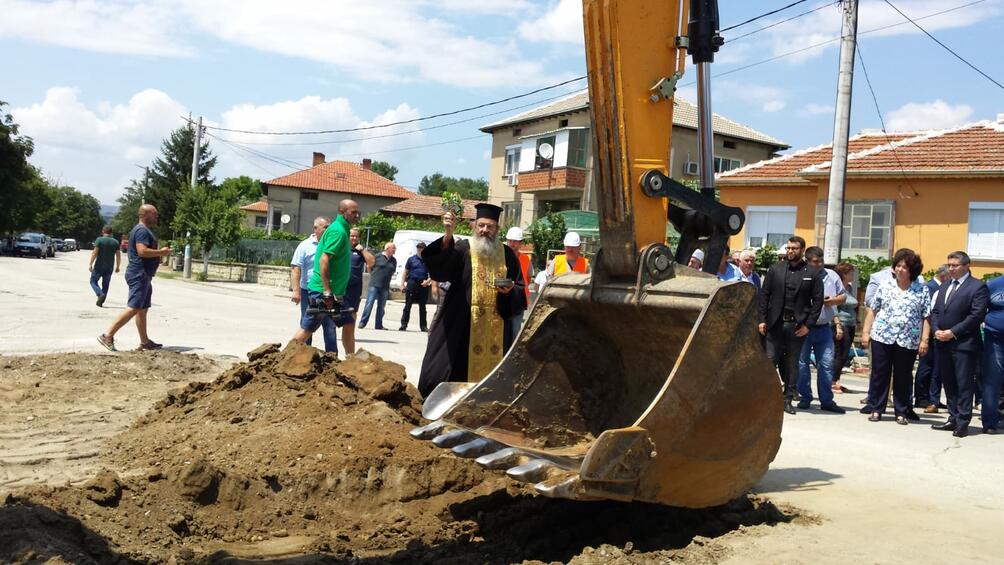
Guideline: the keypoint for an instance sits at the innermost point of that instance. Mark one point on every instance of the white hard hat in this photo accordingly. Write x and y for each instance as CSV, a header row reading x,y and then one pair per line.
x,y
572,239
699,255
514,234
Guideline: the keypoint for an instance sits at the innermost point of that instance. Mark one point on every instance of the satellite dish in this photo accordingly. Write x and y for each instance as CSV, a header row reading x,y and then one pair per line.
x,y
546,150
285,219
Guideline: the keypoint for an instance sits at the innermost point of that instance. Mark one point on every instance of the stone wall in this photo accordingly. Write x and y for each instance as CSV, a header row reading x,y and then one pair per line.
x,y
269,275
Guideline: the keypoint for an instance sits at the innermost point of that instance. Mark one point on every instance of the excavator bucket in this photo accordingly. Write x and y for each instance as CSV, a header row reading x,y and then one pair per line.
x,y
658,393
644,380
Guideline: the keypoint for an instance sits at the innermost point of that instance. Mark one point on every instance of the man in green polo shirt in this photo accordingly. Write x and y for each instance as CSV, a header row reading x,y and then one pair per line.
x,y
332,266
105,256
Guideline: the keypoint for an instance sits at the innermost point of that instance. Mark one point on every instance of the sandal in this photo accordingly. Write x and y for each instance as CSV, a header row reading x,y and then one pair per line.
x,y
875,417
901,420
107,342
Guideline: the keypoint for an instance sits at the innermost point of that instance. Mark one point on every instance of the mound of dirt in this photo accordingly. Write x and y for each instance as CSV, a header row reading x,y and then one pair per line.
x,y
297,455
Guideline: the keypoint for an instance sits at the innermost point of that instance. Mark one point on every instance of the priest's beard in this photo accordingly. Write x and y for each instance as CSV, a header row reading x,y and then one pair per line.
x,y
484,246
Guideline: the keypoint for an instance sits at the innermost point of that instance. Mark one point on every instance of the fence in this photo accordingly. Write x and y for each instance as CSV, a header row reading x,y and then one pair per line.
x,y
256,252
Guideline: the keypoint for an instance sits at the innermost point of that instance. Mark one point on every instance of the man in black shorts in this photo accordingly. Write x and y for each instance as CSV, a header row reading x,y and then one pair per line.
x,y
144,258
354,291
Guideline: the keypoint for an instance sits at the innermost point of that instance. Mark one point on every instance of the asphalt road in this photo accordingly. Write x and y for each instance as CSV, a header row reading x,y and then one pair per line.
x,y
885,493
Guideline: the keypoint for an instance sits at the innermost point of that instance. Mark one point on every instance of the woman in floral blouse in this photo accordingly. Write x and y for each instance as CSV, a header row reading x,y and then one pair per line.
x,y
897,327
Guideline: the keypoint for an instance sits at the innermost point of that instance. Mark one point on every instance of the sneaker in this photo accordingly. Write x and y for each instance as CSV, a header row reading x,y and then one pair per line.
x,y
362,326
149,346
832,408
108,342
101,300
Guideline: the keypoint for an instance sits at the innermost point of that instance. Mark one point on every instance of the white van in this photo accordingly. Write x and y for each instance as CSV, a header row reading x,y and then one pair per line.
x,y
406,242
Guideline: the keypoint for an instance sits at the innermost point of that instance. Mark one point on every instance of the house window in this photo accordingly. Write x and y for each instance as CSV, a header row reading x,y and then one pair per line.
x,y
769,224
986,230
541,162
512,155
723,164
562,123
512,212
516,132
277,219
867,226
578,147
261,222
305,195
729,144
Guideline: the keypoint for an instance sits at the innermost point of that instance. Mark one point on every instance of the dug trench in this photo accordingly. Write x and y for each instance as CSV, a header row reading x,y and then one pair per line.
x,y
295,457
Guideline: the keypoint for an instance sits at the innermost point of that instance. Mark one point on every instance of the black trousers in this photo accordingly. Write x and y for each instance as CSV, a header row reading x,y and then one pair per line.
x,y
842,351
784,349
895,362
957,370
415,293
927,384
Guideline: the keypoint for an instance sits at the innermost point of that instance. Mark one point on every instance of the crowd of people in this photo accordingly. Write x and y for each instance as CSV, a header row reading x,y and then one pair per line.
x,y
951,327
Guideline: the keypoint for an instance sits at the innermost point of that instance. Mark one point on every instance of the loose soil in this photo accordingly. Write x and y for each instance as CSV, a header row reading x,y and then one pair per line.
x,y
299,458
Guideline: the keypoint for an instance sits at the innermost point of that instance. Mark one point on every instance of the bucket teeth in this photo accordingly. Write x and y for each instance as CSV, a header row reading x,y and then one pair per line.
x,y
451,439
563,486
475,448
532,472
502,459
428,431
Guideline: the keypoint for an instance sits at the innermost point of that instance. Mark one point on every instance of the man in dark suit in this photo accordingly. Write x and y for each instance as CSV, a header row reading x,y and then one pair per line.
x,y
791,299
927,383
959,309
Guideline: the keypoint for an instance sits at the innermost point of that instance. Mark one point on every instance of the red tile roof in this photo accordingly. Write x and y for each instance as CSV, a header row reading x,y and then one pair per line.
x,y
970,148
420,205
786,167
967,149
260,206
342,176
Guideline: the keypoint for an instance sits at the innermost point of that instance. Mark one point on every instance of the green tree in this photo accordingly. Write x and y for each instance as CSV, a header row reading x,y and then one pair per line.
x,y
380,228
208,217
70,213
866,267
437,183
546,233
171,173
384,169
766,256
248,190
19,197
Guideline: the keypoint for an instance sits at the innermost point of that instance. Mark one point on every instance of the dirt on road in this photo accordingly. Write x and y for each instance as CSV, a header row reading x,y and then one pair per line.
x,y
298,457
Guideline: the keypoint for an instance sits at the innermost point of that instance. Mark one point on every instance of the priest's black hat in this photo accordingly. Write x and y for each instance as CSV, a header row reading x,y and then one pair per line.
x,y
490,211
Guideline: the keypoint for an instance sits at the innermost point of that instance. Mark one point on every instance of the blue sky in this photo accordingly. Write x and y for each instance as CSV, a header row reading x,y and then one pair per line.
x,y
98,83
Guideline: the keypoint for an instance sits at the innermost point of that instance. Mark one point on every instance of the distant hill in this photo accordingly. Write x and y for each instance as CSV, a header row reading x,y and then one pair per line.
x,y
108,212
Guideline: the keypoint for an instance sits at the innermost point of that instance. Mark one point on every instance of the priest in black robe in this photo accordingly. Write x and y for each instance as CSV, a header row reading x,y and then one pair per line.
x,y
471,332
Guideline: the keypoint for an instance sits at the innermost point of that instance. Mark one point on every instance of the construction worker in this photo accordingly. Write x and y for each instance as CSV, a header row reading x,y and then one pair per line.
x,y
570,261
514,239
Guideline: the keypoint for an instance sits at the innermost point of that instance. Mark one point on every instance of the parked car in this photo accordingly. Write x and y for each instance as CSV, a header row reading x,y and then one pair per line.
x,y
32,245
70,244
57,244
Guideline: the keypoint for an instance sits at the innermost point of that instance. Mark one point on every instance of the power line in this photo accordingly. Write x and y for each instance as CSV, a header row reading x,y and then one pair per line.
x,y
378,126
764,15
878,110
947,48
417,130
784,21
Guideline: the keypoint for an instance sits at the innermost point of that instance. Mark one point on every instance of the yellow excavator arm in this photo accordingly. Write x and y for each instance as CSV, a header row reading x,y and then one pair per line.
x,y
644,380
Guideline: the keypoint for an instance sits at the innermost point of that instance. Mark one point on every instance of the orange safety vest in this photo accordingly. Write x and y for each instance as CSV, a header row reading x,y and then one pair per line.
x,y
524,267
561,265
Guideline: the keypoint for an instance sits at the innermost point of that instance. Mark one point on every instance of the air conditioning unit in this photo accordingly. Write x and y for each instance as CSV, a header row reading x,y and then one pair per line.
x,y
691,168
513,179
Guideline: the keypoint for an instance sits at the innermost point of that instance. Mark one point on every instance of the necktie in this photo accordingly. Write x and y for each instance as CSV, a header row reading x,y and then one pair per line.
x,y
951,291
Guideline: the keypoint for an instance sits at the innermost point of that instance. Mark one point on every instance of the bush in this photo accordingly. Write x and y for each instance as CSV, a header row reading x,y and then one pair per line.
x,y
546,233
766,256
382,227
276,235
867,267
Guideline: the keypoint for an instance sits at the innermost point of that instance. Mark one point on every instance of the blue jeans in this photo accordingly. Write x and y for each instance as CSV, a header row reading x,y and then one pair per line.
x,y
106,279
993,377
327,324
380,296
820,342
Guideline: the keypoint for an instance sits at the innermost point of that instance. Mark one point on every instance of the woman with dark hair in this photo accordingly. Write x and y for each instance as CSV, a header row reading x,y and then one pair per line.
x,y
844,323
897,326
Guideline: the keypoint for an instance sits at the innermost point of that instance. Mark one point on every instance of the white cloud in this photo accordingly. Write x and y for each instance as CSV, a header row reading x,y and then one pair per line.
x,y
562,23
814,109
927,115
496,7
109,27
774,106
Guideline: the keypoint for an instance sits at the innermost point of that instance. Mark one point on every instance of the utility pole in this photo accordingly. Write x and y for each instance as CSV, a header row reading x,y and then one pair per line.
x,y
195,178
841,131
